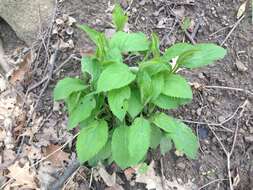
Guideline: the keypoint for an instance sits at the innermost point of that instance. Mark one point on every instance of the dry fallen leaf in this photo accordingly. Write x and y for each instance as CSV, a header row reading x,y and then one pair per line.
x,y
22,175
21,73
110,180
149,178
241,10
57,159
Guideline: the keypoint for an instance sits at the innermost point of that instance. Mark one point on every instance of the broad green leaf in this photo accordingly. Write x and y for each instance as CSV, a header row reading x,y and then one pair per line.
x,y
129,42
92,34
103,154
114,55
91,66
98,38
72,101
156,136
113,77
155,47
176,50
165,122
157,85
67,86
155,66
177,86
91,140
144,83
119,18
182,136
118,101
139,140
134,103
167,102
82,111
165,145
201,55
120,141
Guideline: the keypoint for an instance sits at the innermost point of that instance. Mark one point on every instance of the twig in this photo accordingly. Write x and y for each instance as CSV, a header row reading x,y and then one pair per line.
x,y
189,36
211,182
230,153
43,159
232,30
230,88
62,179
54,72
70,178
91,177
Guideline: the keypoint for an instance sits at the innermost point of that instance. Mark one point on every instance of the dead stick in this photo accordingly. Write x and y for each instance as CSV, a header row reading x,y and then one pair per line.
x,y
232,30
62,179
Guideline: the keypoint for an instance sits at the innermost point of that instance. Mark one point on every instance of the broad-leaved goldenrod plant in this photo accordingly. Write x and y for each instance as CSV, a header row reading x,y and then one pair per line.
x,y
118,107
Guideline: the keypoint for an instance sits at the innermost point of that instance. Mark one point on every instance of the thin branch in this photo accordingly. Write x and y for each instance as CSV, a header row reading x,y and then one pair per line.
x,y
232,30
59,183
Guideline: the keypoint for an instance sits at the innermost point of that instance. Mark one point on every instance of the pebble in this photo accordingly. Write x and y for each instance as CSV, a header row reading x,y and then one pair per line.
x,y
201,75
181,165
210,98
221,118
240,66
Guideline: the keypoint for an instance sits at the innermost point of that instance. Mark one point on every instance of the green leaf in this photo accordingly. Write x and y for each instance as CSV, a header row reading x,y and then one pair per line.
x,y
114,55
91,140
72,101
177,86
98,38
82,111
165,122
182,136
156,136
118,101
67,86
92,34
134,103
120,141
201,55
155,47
176,50
186,24
113,77
157,85
144,83
167,102
155,66
119,18
91,66
139,140
103,154
165,145
132,42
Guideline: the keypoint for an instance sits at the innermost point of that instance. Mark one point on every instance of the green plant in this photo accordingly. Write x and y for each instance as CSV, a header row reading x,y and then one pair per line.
x,y
117,106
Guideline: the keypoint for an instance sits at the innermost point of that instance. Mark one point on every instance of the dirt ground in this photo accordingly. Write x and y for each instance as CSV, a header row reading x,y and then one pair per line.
x,y
222,108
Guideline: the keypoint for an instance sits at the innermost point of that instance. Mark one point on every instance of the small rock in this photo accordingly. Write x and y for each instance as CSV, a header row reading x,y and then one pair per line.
x,y
221,118
203,133
249,139
240,66
210,98
201,75
251,129
69,31
181,165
